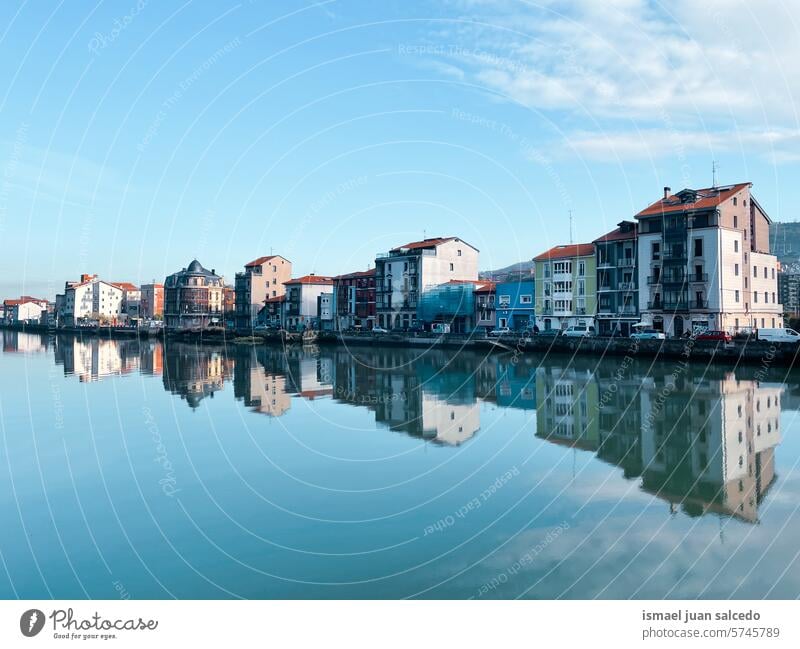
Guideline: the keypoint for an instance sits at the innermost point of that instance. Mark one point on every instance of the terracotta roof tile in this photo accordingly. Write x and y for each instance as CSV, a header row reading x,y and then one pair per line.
x,y
567,251
707,198
311,279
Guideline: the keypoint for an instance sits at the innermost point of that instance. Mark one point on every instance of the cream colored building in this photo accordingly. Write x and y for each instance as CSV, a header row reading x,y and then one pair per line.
x,y
92,299
263,278
705,262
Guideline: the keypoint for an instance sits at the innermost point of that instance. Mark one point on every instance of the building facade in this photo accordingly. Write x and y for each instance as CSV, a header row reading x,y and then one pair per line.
x,y
354,299
92,300
485,306
152,305
301,307
515,305
131,300
405,272
193,298
262,278
704,258
789,292
25,310
617,280
566,286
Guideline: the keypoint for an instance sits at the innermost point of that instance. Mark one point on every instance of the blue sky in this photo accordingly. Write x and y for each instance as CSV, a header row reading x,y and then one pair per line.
x,y
136,135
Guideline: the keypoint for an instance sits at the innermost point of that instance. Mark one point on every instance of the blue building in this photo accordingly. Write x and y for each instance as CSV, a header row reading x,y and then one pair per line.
x,y
515,304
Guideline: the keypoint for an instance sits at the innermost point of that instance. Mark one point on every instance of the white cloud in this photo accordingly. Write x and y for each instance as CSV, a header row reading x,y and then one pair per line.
x,y
695,74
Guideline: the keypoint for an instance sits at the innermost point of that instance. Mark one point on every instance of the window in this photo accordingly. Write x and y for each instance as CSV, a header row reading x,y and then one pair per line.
x,y
765,272
547,288
504,300
547,270
656,250
736,293
773,297
735,218
452,267
459,252
735,245
755,297
734,204
525,299
698,247
582,268
736,270
766,299
755,272
581,287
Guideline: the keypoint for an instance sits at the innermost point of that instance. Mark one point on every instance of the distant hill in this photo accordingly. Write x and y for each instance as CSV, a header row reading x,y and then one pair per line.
x,y
520,270
784,242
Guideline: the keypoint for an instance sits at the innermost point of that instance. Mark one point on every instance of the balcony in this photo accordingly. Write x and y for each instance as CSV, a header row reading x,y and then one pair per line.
x,y
654,280
547,310
626,262
604,287
626,286
627,309
698,278
699,304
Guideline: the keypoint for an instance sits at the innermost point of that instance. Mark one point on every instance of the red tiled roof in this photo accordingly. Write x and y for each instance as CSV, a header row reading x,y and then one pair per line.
x,y
277,298
125,286
707,198
259,261
617,234
566,251
486,287
23,299
311,279
356,274
425,243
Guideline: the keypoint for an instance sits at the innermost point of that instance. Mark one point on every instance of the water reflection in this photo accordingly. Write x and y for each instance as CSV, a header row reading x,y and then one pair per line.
x,y
701,441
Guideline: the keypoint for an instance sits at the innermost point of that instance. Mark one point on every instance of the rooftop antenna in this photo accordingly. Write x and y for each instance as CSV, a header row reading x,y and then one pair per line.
x,y
424,235
713,173
570,227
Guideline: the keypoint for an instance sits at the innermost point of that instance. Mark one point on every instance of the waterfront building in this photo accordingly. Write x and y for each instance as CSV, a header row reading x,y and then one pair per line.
x,y
152,305
789,292
91,300
302,304
25,310
515,305
271,314
262,278
617,280
485,306
567,401
326,311
131,299
704,258
451,304
193,298
565,286
405,272
261,385
354,299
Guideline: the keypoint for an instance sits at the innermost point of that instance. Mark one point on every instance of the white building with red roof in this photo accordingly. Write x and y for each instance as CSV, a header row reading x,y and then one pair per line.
x,y
301,307
705,262
405,272
91,299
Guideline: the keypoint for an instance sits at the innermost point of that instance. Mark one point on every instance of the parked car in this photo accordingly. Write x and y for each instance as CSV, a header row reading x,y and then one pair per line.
x,y
578,331
500,331
648,334
379,330
778,335
549,333
714,334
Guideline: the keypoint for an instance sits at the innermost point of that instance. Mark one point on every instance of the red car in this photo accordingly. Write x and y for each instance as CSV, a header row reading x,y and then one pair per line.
x,y
710,334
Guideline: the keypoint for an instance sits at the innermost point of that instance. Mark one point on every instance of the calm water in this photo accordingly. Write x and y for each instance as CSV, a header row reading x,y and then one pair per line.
x,y
132,469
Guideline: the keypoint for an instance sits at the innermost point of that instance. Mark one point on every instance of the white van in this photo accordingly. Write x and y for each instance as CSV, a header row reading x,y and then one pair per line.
x,y
779,335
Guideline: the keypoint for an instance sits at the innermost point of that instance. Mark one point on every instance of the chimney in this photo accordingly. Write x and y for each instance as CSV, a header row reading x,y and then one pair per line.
x,y
667,190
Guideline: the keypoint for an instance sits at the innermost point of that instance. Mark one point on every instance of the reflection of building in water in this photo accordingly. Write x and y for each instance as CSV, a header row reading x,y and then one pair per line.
x,y
151,357
92,359
516,383
713,448
194,373
702,444
309,375
258,383
566,406
446,422
20,341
